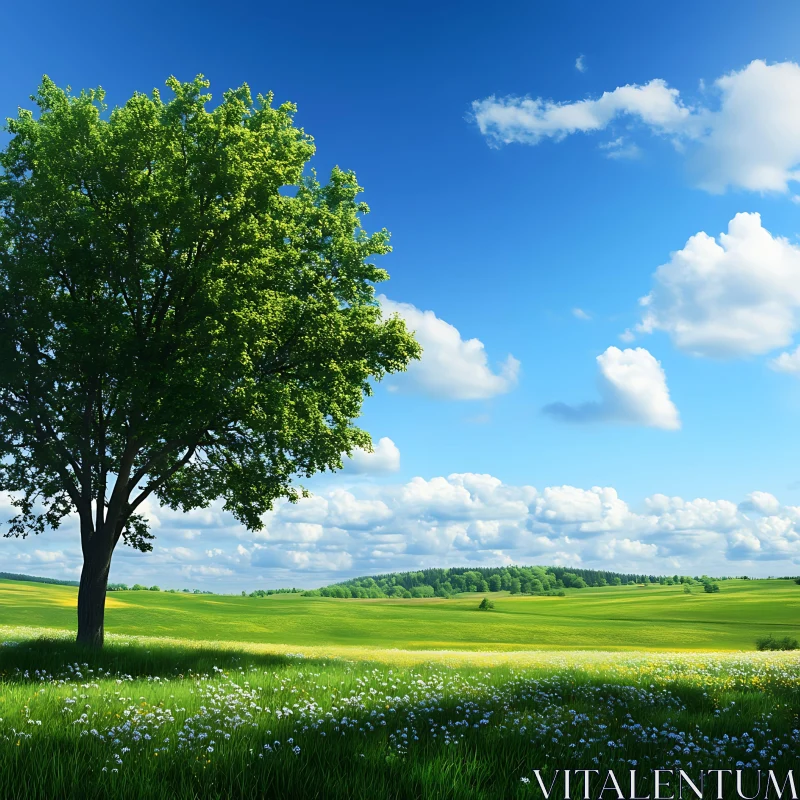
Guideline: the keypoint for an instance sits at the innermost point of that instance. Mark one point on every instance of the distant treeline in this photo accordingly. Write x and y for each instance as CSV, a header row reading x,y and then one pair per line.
x,y
268,592
138,587
13,576
445,582
517,580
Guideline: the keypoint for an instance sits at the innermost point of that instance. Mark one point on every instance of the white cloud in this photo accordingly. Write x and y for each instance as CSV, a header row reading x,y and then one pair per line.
x,y
347,511
579,313
182,553
48,556
303,560
753,140
526,120
195,571
293,532
450,367
633,390
749,139
385,457
760,502
674,514
580,63
569,504
787,362
614,550
736,297
620,148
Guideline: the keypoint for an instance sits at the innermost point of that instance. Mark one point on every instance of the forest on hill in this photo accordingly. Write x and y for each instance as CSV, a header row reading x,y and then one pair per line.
x,y
15,576
516,580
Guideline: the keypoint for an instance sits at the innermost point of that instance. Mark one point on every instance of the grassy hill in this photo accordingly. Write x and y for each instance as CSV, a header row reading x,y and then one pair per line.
x,y
232,710
618,617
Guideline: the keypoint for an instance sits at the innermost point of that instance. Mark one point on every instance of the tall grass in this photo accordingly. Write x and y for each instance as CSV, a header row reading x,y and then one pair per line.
x,y
137,720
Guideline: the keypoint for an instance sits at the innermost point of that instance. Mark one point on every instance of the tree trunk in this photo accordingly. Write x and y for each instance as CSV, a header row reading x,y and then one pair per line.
x,y
92,598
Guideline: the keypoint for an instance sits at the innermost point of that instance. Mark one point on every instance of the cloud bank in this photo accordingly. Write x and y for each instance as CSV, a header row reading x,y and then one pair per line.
x,y
457,520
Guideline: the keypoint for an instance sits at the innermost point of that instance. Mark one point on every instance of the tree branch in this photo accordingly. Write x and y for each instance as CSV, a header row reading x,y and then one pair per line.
x,y
152,487
169,446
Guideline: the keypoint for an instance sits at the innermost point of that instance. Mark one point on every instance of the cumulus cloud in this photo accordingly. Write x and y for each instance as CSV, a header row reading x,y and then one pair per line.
x,y
787,362
633,390
589,511
463,518
302,560
749,138
385,457
739,296
761,503
451,367
625,549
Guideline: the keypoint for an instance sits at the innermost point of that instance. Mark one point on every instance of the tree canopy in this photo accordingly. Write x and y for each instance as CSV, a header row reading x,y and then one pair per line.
x,y
185,313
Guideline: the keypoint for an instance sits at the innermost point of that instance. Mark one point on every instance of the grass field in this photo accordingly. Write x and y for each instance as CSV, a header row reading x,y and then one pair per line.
x,y
319,698
625,617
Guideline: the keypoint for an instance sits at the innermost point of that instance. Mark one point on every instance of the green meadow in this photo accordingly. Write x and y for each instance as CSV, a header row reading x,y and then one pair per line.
x,y
623,617
210,696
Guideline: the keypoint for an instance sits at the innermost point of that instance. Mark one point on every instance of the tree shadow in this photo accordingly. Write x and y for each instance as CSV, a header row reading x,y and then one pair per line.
x,y
30,659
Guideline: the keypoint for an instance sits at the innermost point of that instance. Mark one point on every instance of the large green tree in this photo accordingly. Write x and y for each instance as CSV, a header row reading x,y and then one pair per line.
x,y
184,314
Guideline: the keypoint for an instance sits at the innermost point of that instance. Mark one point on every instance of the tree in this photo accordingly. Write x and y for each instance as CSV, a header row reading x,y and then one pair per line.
x,y
769,642
183,315
486,604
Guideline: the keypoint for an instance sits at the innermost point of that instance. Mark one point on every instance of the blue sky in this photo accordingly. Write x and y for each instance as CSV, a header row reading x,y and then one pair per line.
x,y
508,214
